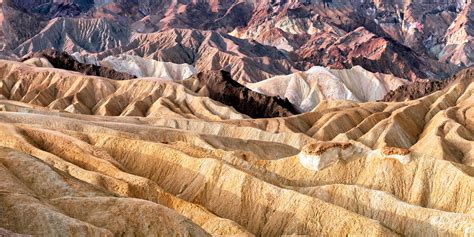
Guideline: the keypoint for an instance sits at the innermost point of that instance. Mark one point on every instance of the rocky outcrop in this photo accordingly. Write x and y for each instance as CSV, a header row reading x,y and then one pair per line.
x,y
219,86
63,60
415,90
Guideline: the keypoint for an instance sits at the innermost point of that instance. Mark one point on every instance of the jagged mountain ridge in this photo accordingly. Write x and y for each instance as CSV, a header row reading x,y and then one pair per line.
x,y
409,39
206,50
141,67
219,85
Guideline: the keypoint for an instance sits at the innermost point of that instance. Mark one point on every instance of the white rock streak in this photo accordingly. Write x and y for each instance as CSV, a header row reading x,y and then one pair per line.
x,y
142,67
306,89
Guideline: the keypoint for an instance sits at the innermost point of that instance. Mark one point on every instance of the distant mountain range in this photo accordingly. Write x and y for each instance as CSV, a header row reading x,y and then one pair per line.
x,y
254,40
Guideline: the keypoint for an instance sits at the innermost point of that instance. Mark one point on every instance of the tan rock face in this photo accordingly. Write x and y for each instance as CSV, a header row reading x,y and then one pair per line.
x,y
73,92
321,148
165,161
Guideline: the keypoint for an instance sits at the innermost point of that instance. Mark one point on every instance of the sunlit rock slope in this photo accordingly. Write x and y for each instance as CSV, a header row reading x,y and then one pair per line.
x,y
165,161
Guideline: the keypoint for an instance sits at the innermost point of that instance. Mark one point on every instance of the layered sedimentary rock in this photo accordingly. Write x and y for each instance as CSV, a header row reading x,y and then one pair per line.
x,y
410,39
197,97
416,90
73,35
459,45
86,155
347,168
141,67
76,93
248,61
305,90
62,60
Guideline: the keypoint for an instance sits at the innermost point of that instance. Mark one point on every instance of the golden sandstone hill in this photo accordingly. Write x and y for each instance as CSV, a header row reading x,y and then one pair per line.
x,y
165,161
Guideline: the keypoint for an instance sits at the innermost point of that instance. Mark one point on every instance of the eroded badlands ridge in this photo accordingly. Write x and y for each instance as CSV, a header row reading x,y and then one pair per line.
x,y
305,90
65,61
198,96
400,168
76,93
416,90
219,86
141,67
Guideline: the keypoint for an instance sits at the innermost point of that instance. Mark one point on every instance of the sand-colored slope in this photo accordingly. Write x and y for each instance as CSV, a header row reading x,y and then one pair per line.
x,y
76,93
305,90
372,169
31,207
